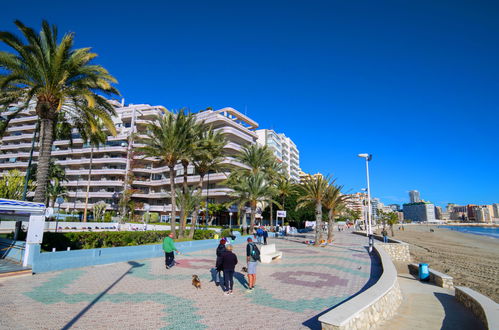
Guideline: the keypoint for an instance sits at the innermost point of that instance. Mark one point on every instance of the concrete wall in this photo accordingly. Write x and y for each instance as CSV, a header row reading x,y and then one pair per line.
x,y
50,261
371,307
397,250
12,250
484,308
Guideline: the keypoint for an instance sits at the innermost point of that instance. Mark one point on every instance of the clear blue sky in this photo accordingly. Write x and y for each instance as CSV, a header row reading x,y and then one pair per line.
x,y
415,83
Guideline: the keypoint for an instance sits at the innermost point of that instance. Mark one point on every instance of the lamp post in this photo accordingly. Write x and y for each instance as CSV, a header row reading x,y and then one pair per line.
x,y
230,221
368,157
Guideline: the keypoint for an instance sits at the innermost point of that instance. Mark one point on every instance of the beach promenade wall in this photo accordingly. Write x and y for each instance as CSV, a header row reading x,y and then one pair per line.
x,y
42,262
484,308
371,307
397,250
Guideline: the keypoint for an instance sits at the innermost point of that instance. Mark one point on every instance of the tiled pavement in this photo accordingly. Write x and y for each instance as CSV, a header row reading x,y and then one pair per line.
x,y
289,294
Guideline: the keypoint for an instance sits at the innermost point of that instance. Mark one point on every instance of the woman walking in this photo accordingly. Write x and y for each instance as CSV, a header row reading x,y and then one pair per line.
x,y
228,263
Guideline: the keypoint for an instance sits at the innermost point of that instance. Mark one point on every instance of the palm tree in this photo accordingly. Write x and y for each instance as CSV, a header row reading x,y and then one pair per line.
x,y
334,202
95,139
165,139
187,201
252,188
59,79
192,128
207,156
258,158
313,192
284,188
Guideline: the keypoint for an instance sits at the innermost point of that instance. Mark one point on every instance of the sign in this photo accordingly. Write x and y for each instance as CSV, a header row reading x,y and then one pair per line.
x,y
281,214
35,229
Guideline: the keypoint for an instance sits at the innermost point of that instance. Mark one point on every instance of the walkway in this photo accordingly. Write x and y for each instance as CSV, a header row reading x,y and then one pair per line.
x,y
427,306
289,294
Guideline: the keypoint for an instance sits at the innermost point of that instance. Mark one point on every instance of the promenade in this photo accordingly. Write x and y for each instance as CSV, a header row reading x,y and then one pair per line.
x,y
290,293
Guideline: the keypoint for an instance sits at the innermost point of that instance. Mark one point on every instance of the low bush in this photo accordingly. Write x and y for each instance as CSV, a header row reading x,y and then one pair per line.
x,y
94,240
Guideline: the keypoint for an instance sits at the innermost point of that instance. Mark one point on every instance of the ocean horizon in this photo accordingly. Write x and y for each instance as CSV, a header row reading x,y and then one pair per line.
x,y
475,230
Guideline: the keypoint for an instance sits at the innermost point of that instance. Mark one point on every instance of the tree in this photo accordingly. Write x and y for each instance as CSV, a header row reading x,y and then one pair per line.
x,y
58,79
313,191
207,156
258,158
165,139
99,210
12,184
334,201
251,188
284,188
56,176
187,201
95,138
389,219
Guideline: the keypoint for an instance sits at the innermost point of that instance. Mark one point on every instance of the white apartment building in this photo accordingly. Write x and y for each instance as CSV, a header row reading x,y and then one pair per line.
x,y
284,149
112,160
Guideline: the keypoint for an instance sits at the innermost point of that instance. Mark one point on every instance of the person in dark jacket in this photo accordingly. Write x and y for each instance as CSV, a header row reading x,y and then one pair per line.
x,y
265,236
228,262
220,250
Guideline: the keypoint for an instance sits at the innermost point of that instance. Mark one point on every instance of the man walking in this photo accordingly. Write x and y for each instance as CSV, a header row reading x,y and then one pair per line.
x,y
220,251
228,262
169,248
252,257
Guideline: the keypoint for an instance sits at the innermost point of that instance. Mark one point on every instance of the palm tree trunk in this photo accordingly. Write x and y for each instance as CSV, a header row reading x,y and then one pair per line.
x,y
318,223
88,184
183,215
173,213
196,209
271,213
42,173
330,226
253,214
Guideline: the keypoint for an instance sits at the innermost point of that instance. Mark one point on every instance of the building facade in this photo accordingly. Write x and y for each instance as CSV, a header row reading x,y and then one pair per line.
x,y
116,160
419,212
414,196
284,149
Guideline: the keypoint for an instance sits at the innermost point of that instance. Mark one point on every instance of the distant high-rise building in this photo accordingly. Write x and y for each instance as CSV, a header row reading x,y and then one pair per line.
x,y
414,196
495,208
395,207
422,211
284,149
438,213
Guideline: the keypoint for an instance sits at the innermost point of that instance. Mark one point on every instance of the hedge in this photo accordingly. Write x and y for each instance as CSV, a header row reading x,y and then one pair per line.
x,y
104,239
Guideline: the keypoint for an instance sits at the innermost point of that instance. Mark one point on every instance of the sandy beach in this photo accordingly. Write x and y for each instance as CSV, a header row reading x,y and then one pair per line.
x,y
472,260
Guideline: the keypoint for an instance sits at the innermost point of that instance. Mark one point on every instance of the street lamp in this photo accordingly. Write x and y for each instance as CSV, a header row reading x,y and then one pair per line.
x,y
368,157
230,221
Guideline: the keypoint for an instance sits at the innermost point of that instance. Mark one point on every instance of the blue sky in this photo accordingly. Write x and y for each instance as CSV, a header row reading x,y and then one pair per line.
x,y
415,83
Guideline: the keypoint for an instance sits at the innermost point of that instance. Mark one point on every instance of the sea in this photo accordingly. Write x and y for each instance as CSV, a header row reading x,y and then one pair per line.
x,y
475,230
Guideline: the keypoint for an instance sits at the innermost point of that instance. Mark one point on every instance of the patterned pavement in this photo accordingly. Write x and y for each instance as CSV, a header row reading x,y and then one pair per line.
x,y
290,293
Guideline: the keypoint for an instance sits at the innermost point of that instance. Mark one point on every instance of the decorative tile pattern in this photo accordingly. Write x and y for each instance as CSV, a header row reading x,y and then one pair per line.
x,y
289,292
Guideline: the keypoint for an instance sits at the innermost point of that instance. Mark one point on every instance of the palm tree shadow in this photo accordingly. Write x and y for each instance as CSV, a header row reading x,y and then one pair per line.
x,y
132,264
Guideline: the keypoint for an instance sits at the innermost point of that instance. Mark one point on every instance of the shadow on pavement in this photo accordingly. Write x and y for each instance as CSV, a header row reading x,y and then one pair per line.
x,y
376,271
132,264
456,315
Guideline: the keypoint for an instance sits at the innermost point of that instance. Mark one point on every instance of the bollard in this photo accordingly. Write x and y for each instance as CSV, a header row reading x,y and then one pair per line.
x,y
53,249
69,248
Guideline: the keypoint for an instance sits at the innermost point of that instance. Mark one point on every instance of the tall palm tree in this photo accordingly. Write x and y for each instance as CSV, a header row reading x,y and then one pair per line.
x,y
95,139
165,139
58,79
187,201
334,202
313,192
193,128
252,188
284,188
258,158
207,156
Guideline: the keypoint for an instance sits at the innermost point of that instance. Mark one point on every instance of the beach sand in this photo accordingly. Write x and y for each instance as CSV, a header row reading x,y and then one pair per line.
x,y
472,260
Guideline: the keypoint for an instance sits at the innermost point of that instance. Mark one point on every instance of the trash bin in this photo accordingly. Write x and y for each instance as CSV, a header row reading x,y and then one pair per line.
x,y
424,272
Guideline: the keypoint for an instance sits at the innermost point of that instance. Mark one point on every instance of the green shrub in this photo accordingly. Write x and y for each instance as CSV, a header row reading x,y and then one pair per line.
x,y
226,233
108,217
104,239
154,217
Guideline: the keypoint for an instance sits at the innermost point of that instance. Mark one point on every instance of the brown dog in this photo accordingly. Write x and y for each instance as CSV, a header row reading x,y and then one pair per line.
x,y
196,282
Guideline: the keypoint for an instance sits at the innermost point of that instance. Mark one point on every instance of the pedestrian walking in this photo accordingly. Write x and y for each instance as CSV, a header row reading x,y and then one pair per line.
x,y
227,263
252,257
259,235
265,236
220,251
385,235
169,248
